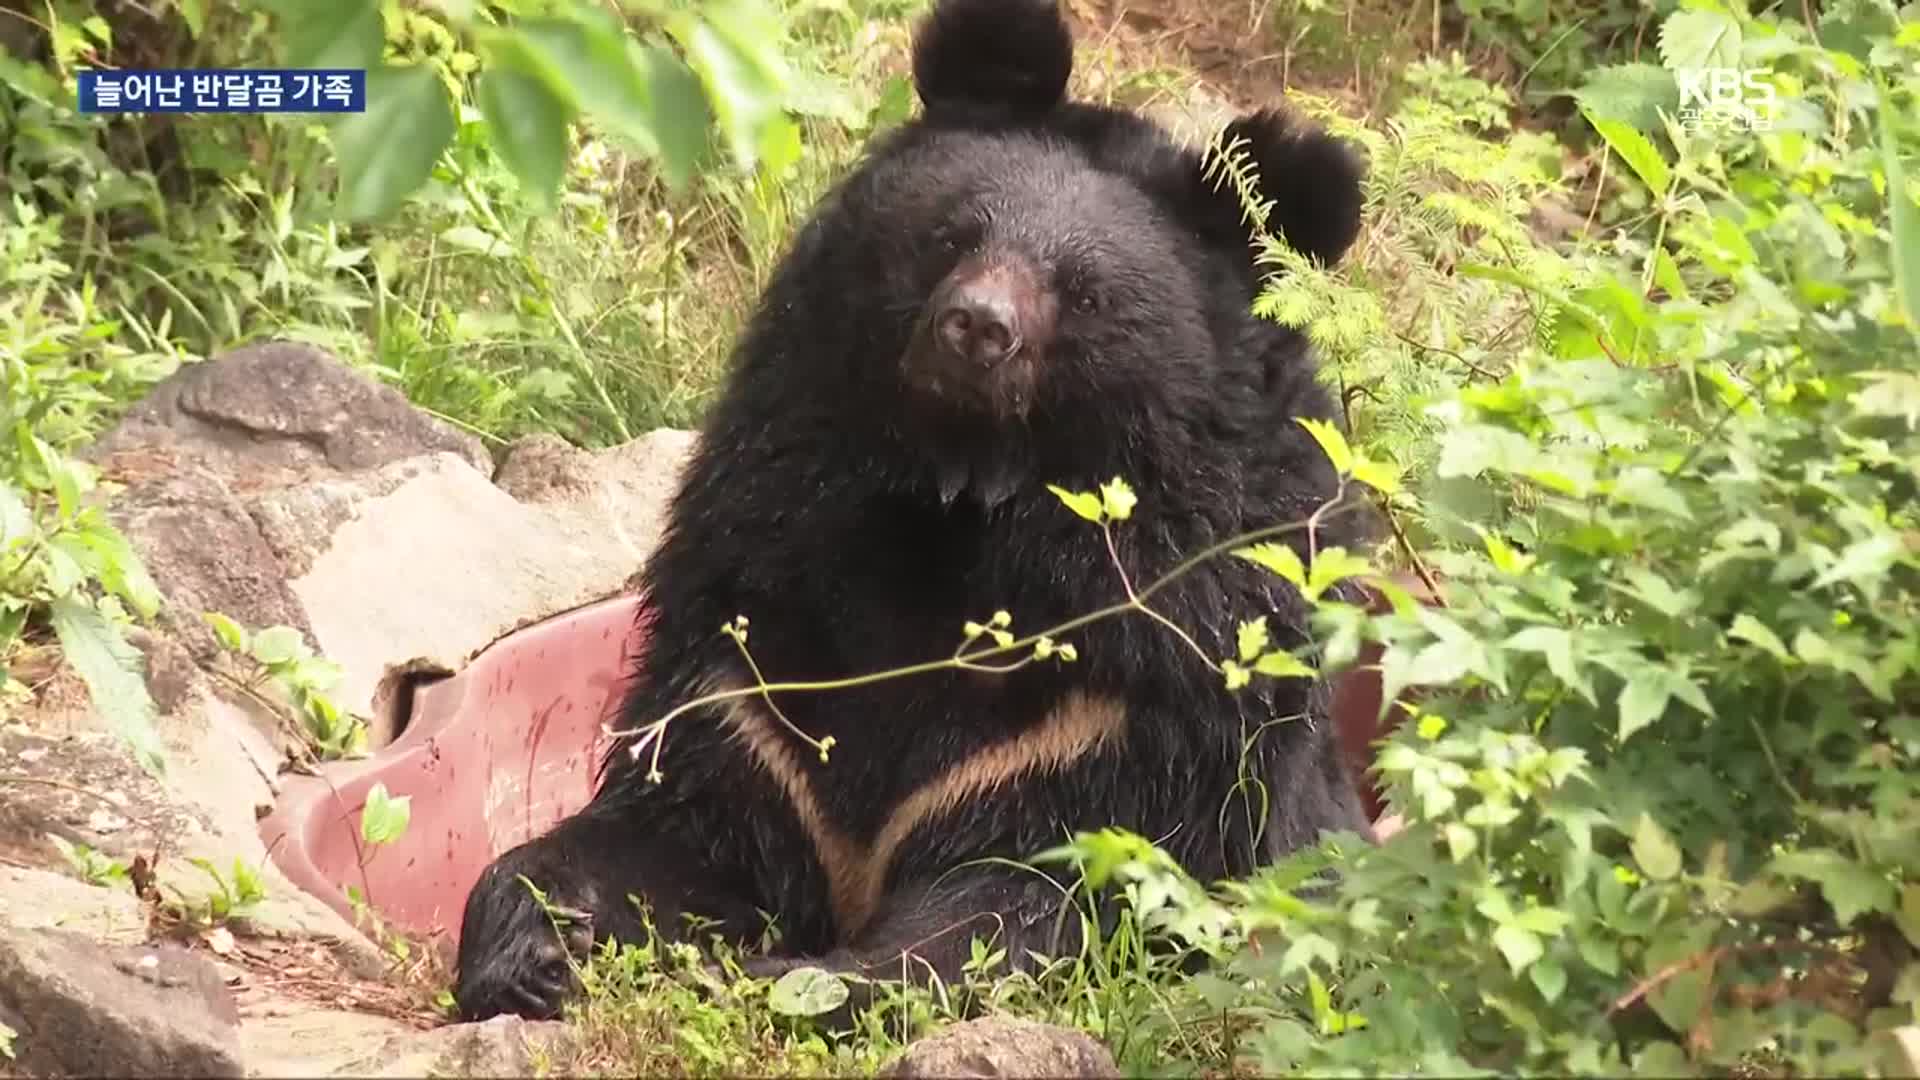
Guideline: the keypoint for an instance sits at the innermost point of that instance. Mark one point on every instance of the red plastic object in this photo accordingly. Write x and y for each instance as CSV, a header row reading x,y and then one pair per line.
x,y
499,752
492,756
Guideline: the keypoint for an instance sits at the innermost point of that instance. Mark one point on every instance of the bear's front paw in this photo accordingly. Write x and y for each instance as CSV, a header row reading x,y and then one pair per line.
x,y
516,963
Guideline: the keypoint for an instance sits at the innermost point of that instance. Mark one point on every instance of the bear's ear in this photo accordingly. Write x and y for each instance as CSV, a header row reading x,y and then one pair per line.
x,y
1312,179
1009,54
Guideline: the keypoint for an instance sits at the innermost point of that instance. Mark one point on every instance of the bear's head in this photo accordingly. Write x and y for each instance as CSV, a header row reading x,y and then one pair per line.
x,y
1014,274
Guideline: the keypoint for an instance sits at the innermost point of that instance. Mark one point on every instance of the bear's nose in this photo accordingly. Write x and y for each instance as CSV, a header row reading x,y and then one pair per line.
x,y
979,324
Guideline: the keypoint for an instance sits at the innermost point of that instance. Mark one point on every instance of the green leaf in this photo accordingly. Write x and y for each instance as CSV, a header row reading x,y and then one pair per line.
x,y
1084,503
1908,917
1252,638
1556,645
278,645
807,991
16,519
1118,499
331,34
231,635
388,151
1871,557
1279,558
1698,38
1282,665
1905,222
1331,565
1632,94
1461,841
1520,947
1644,699
1851,887
1890,393
1549,978
1637,151
680,114
384,818
113,672
528,122
1653,851
1331,441
1381,476
1749,629
734,45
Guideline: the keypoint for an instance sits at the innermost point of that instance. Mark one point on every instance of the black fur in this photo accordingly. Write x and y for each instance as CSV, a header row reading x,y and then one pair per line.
x,y
858,523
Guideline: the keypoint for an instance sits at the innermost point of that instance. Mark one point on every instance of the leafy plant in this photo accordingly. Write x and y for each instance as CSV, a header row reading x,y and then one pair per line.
x,y
1658,789
64,568
93,867
698,72
279,656
233,895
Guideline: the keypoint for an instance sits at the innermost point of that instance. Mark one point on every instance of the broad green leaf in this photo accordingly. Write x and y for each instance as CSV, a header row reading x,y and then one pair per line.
x,y
1654,851
1908,917
1381,476
1852,888
1642,701
331,34
806,991
1520,947
1556,645
1637,151
384,818
1332,565
1632,94
278,645
681,118
1282,665
1461,841
1549,978
1084,503
740,95
1279,558
388,151
1332,443
1749,629
529,126
1890,393
1699,38
1871,557
113,672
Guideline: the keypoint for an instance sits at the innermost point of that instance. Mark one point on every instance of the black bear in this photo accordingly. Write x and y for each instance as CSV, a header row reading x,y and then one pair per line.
x,y
1011,291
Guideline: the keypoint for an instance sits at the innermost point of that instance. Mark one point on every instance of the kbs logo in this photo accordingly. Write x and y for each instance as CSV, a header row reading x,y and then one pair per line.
x,y
1715,99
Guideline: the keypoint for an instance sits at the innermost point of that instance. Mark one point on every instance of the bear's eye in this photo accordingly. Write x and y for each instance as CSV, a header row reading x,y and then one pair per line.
x,y
1086,303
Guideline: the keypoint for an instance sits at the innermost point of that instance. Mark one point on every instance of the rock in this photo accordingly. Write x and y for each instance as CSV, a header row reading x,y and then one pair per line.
x,y
40,900
543,468
502,1046
206,553
279,487
487,564
282,1038
271,484
283,406
78,1008
1001,1046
